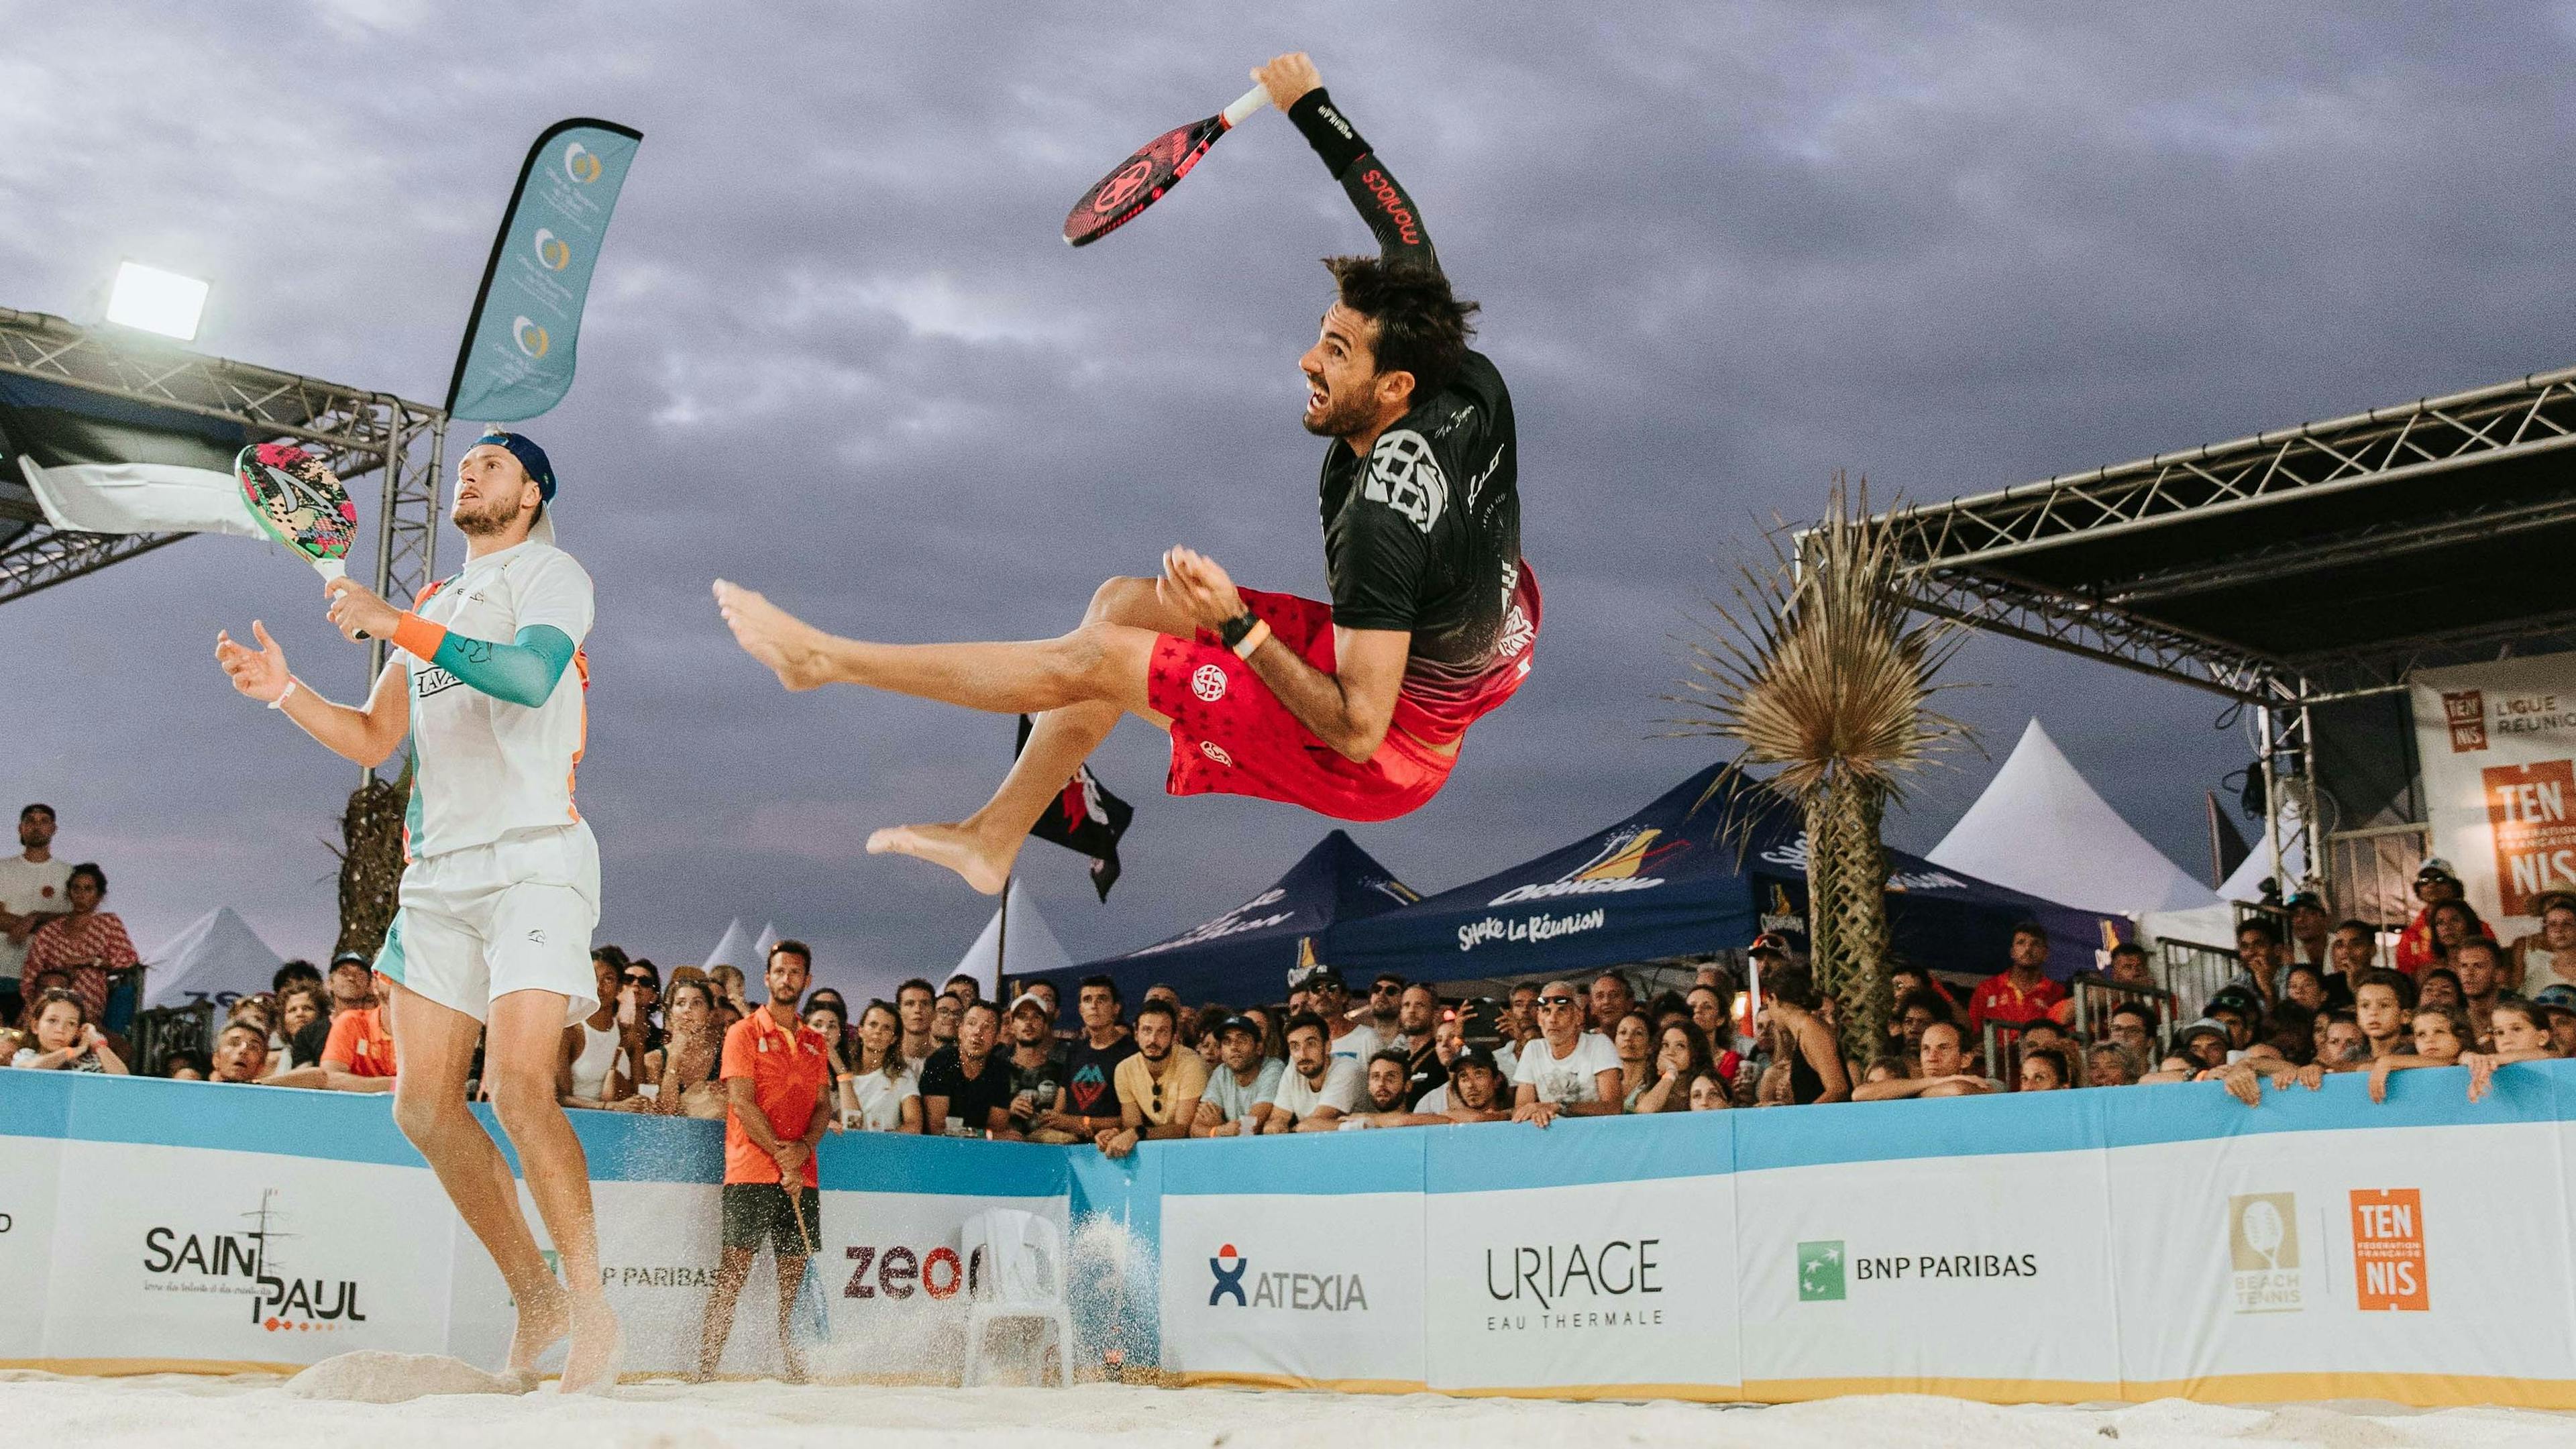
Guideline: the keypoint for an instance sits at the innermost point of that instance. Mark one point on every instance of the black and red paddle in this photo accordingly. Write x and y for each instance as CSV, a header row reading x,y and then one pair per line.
x,y
1158,166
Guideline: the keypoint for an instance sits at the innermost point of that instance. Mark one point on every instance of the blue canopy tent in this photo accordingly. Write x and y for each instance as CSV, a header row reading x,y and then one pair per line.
x,y
1667,881
1244,955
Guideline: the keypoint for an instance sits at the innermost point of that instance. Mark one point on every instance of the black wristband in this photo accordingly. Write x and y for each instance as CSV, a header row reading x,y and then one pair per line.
x,y
1328,131
1233,630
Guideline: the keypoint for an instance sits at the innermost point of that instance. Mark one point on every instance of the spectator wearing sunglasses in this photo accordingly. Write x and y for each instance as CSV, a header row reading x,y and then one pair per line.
x,y
1159,1087
1329,997
1565,1071
1319,1086
1385,1009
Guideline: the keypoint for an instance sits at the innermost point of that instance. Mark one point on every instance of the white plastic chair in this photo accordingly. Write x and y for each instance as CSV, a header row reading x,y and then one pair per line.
x,y
1014,1271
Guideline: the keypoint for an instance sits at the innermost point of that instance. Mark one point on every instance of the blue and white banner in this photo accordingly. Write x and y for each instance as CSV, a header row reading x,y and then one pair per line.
x,y
517,358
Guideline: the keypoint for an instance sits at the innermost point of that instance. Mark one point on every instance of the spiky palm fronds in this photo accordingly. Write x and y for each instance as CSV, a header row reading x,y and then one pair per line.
x,y
1817,669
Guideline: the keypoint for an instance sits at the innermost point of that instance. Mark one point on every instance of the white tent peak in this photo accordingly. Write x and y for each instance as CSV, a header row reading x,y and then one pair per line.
x,y
218,958
733,948
760,945
2247,883
2042,829
1033,946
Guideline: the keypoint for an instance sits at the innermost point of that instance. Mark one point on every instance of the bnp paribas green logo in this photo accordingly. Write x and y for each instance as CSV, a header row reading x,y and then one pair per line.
x,y
1820,1272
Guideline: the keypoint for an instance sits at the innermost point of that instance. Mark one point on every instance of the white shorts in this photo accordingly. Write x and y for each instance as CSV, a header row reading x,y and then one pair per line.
x,y
515,915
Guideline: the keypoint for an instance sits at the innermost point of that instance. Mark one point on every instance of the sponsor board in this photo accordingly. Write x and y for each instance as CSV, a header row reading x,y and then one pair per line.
x,y
2496,744
27,1188
1608,1283
1294,1286
261,1258
1926,1269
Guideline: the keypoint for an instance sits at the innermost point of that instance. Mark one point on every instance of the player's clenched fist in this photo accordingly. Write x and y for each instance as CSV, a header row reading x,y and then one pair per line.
x,y
1286,78
260,673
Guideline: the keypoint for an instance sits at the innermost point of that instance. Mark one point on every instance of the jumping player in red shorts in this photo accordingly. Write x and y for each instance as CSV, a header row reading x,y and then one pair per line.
x,y
1353,708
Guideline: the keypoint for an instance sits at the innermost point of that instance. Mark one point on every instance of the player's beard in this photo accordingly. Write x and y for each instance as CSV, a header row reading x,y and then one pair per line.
x,y
493,517
1344,414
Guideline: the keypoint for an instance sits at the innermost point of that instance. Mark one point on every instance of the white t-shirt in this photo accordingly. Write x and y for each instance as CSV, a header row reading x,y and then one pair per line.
x,y
1569,1079
485,766
1345,1083
1362,1043
880,1101
29,885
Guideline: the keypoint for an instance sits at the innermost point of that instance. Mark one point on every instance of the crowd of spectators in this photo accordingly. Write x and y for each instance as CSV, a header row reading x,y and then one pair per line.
x,y
2306,998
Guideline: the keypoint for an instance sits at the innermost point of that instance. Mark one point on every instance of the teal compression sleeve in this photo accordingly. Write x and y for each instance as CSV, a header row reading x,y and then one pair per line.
x,y
520,673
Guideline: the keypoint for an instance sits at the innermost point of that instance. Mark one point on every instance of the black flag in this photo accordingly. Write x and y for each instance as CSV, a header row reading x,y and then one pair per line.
x,y
1085,818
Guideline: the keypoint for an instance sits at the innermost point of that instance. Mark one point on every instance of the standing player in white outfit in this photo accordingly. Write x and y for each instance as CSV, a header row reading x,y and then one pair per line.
x,y
502,890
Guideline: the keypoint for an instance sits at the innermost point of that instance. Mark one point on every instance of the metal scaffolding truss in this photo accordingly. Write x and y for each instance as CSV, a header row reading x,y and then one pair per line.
x,y
2532,414
2286,569
361,432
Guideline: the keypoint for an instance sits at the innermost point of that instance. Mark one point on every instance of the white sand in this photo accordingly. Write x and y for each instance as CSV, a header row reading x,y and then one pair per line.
x,y
177,1412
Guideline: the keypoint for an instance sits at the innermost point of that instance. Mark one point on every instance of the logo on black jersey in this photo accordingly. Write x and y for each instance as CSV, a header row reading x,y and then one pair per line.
x,y
1405,475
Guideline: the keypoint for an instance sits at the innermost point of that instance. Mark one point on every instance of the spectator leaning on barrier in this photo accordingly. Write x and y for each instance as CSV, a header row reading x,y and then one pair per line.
x,y
1681,1054
65,1040
1036,1064
359,1056
1383,1080
1474,1093
966,1087
2381,999
303,1026
2109,1064
2022,992
1159,1087
778,1083
2440,1038
2521,1032
1243,1084
1319,1086
1566,1071
185,1066
880,1094
2045,1067
86,941
1089,1102
1943,1071
33,890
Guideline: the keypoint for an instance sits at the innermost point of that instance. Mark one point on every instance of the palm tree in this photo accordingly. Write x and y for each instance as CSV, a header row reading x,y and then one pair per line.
x,y
371,860
1820,673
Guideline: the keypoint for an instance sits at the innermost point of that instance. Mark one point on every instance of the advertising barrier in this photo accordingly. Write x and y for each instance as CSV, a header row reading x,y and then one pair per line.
x,y
2134,1243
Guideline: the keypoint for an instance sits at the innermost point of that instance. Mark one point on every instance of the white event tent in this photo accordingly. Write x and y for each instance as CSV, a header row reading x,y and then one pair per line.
x,y
1033,947
2042,829
218,958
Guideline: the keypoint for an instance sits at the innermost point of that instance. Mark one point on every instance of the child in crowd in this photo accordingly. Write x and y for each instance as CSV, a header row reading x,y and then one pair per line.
x,y
2442,1034
2521,1032
65,1041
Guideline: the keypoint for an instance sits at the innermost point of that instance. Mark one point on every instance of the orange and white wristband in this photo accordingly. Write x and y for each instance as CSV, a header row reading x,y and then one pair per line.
x,y
1253,638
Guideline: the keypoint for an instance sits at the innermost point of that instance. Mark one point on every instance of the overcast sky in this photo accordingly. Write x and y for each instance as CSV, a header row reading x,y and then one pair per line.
x,y
837,351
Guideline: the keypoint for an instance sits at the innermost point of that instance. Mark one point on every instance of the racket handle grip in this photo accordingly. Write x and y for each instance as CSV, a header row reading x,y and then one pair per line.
x,y
1244,105
332,568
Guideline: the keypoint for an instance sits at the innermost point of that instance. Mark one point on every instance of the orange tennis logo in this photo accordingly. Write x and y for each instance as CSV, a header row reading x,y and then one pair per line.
x,y
2388,1268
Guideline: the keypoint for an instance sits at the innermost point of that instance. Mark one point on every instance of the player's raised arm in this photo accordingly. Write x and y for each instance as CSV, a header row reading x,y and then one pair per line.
x,y
367,734
1299,93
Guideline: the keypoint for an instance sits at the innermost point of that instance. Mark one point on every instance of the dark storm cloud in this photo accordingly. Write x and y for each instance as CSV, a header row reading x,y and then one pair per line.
x,y
836,351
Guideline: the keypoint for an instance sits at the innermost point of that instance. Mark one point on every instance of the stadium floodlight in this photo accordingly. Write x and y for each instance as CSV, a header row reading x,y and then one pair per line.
x,y
153,300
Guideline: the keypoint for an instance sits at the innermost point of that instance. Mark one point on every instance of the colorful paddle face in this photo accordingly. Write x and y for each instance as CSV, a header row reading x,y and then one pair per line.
x,y
294,497
1156,167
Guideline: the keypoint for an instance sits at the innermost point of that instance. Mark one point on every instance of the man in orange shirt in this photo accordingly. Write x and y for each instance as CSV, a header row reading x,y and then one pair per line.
x,y
2021,993
359,1057
778,1073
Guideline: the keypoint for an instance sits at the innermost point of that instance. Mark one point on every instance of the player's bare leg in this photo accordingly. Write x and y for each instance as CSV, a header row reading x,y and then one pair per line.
x,y
982,847
521,1051
435,1045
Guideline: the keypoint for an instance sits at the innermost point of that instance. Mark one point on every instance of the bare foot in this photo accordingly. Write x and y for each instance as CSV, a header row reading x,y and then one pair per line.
x,y
598,1349
792,648
985,866
544,1316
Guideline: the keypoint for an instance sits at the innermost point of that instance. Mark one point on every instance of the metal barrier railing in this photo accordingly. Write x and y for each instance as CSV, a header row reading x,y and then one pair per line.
x,y
2193,974
2097,996
2000,1047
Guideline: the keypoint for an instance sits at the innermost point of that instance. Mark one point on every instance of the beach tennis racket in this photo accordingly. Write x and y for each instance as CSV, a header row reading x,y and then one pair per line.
x,y
1158,166
294,498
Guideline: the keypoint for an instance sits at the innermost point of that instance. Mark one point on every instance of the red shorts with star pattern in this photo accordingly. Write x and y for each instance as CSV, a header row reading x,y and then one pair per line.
x,y
1232,736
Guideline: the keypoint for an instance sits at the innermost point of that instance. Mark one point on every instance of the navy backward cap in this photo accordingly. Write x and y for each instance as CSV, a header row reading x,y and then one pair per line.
x,y
530,456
